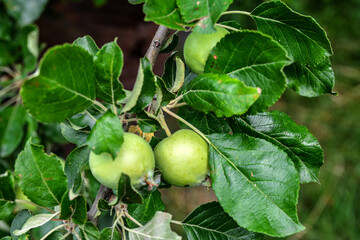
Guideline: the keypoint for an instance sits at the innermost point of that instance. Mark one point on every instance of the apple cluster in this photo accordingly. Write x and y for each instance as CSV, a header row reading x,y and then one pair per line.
x,y
181,157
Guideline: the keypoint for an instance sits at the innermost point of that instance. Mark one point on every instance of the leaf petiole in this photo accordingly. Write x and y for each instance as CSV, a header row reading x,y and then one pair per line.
x,y
236,12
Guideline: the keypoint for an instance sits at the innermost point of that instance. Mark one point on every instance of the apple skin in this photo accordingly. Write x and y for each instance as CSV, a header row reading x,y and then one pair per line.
x,y
135,158
183,158
198,46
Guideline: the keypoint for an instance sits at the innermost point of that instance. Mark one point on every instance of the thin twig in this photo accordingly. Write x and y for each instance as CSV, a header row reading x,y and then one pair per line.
x,y
102,194
132,219
52,230
157,42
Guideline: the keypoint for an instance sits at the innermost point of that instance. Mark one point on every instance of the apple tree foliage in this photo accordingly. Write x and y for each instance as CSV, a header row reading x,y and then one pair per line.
x,y
258,158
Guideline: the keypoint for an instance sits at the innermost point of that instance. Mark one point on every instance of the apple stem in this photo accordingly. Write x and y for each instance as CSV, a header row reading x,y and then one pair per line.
x,y
228,27
163,123
165,109
236,12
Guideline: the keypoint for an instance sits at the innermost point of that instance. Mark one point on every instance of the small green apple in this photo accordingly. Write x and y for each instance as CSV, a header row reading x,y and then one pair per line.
x,y
183,158
135,158
198,46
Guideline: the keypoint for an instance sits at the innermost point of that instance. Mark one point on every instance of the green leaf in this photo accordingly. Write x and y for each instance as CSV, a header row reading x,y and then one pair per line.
x,y
64,87
108,63
210,221
174,74
25,12
9,53
7,194
28,39
296,140
164,13
126,193
109,234
205,12
221,94
74,209
12,121
254,59
146,123
136,1
143,213
303,38
18,222
144,89
206,123
157,228
107,135
79,137
306,43
42,178
34,222
6,26
256,183
87,43
170,44
89,232
74,164
311,81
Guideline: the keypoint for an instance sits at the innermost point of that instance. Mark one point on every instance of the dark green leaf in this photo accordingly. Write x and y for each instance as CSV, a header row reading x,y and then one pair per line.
x,y
205,12
18,222
126,192
307,45
311,81
25,12
78,137
74,164
221,94
9,53
6,26
163,95
303,38
164,13
89,232
74,209
87,43
254,59
7,194
107,135
136,1
64,87
146,123
210,221
206,123
12,121
256,183
296,140
146,211
28,39
144,88
42,178
170,44
108,63
109,234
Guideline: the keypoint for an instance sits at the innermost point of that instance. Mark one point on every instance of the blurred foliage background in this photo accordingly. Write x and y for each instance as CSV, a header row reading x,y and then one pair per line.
x,y
330,210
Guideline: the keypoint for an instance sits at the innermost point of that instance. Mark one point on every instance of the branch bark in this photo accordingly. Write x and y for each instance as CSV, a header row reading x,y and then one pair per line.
x,y
103,193
157,42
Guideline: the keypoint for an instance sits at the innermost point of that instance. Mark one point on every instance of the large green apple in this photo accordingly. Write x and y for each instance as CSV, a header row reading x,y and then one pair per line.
x,y
135,158
198,46
183,158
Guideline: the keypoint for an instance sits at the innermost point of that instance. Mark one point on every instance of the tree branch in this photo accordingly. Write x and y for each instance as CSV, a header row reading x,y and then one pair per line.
x,y
157,42
103,193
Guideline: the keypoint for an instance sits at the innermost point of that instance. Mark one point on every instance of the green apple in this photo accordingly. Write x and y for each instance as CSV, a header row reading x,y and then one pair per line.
x,y
183,158
135,158
198,46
